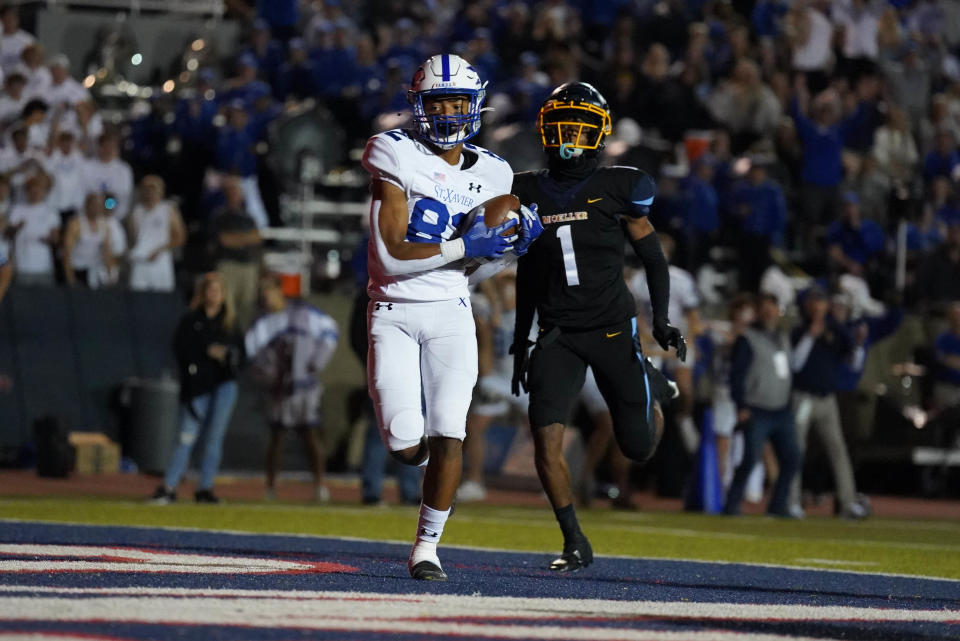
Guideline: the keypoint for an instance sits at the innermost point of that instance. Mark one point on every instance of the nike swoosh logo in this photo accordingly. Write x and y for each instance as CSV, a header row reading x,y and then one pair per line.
x,y
590,201
609,335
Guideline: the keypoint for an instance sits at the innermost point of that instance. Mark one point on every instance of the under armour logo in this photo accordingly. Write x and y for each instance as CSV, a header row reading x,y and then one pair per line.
x,y
471,187
384,306
430,533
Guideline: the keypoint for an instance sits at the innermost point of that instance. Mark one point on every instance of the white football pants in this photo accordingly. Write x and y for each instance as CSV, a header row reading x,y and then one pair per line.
x,y
421,369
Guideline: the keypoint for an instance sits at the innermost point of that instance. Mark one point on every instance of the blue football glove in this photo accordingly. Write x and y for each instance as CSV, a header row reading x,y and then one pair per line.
x,y
481,241
530,228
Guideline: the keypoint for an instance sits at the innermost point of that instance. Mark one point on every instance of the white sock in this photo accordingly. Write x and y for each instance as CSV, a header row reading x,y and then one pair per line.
x,y
429,530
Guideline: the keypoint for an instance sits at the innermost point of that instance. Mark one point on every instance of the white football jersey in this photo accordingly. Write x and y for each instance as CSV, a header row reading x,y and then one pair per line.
x,y
439,195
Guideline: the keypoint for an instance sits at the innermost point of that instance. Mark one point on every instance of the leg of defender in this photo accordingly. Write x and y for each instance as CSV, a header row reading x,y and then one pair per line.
x,y
556,376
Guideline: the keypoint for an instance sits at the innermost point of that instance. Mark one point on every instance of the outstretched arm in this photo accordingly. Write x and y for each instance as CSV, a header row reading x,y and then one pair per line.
x,y
645,243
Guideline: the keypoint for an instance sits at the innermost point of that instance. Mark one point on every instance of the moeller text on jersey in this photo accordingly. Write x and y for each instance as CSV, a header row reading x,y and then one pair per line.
x,y
565,217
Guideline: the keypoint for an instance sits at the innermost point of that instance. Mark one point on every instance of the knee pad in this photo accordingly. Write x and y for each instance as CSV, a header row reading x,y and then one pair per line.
x,y
403,430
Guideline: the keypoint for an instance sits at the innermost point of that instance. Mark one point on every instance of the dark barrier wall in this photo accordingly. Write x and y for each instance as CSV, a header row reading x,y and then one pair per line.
x,y
67,352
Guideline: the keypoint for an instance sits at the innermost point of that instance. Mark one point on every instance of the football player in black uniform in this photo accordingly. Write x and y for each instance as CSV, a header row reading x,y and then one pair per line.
x,y
573,278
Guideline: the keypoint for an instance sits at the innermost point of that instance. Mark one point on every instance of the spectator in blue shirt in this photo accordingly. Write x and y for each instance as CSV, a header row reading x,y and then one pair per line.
x,y
865,331
480,52
267,51
333,59
245,75
263,110
767,18
195,111
823,136
235,154
820,346
943,159
760,216
296,78
404,51
703,215
281,15
854,241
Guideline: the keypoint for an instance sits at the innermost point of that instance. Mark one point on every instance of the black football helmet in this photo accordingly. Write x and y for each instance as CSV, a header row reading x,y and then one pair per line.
x,y
575,118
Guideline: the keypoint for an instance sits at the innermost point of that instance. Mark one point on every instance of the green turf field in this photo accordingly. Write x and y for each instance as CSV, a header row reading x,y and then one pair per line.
x,y
926,548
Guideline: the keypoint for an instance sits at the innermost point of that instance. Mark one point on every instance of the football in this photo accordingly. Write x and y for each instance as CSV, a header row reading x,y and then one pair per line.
x,y
495,212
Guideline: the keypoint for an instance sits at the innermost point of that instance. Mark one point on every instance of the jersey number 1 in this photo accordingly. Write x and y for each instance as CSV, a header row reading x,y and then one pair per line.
x,y
565,236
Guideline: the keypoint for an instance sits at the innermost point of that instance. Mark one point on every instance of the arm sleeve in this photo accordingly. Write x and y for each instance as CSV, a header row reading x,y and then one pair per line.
x,y
740,361
658,274
526,299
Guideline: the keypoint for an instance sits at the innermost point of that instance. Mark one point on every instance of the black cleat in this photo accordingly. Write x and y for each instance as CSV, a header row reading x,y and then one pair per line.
x,y
575,556
427,571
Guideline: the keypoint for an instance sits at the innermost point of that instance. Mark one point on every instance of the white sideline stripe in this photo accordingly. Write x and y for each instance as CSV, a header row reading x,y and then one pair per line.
x,y
477,548
122,559
836,562
506,632
123,603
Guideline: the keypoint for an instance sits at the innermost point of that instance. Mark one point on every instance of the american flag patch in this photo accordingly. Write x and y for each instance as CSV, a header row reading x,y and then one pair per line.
x,y
439,177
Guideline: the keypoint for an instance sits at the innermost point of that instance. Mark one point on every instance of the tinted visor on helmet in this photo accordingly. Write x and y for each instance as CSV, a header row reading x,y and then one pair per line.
x,y
575,125
443,128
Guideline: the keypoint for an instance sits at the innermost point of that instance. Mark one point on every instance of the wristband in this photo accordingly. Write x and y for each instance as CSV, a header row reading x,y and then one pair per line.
x,y
452,250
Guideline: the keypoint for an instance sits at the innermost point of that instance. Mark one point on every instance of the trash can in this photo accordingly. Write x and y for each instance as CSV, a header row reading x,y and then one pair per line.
x,y
152,426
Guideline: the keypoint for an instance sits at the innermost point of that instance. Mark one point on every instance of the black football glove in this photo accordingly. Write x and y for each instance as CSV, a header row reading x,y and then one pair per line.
x,y
668,336
521,360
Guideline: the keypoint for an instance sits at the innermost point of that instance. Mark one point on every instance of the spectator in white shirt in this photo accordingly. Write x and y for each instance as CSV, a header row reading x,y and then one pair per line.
x,y
63,89
18,161
810,34
92,245
13,98
156,228
859,24
34,118
35,228
108,174
13,40
69,166
85,121
34,70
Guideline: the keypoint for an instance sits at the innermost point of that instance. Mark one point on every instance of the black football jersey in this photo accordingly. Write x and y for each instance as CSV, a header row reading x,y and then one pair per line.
x,y
574,271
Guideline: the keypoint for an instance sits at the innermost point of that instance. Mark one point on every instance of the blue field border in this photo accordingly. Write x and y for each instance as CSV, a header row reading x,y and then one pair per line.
x,y
382,568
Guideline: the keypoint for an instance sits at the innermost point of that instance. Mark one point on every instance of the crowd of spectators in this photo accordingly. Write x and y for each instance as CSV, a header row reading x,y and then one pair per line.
x,y
803,136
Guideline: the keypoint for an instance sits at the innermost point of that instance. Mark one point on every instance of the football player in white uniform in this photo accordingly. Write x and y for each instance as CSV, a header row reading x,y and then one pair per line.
x,y
422,362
